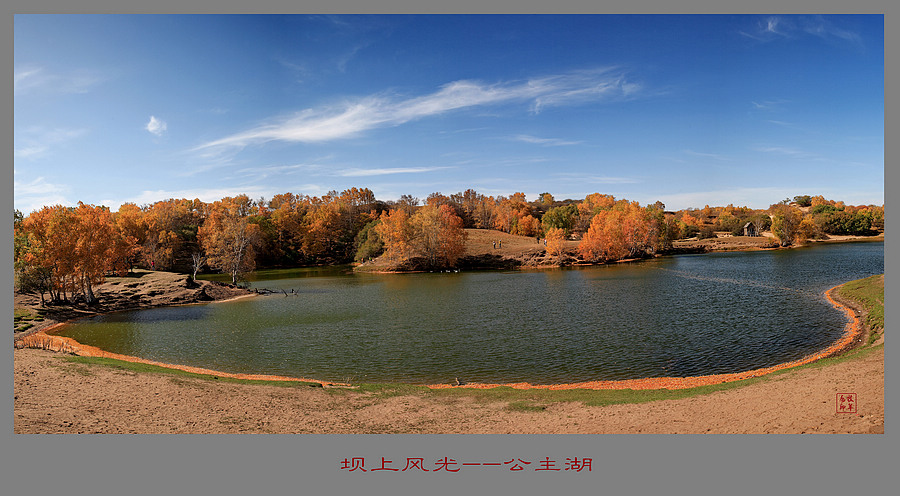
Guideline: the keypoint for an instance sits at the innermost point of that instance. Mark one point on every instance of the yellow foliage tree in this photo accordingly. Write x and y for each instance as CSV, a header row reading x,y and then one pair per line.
x,y
556,238
228,238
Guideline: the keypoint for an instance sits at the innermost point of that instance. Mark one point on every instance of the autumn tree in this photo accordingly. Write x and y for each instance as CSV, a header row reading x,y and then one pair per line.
x,y
51,248
30,276
96,244
397,234
785,223
64,249
172,231
287,213
435,233
324,226
807,229
527,226
624,229
408,203
556,239
228,238
131,224
452,239
604,239
438,235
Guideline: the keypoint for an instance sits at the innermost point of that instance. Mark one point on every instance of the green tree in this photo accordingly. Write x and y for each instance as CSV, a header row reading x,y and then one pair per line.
x,y
368,243
563,217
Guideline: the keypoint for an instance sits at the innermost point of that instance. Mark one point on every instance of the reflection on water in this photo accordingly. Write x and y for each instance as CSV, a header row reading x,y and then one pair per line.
x,y
681,316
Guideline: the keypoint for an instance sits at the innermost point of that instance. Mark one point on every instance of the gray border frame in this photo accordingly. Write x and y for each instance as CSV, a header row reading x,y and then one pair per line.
x,y
309,464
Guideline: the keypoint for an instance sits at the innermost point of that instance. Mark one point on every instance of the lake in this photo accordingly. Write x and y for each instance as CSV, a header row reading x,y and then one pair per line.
x,y
679,315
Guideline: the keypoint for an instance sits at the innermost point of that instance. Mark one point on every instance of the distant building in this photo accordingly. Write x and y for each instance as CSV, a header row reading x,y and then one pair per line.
x,y
751,230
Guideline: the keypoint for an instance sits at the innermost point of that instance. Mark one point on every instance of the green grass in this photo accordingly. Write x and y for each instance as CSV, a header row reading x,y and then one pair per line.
x,y
869,292
24,318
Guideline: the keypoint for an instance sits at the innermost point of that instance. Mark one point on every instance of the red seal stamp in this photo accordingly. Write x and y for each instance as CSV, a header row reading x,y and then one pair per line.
x,y
846,403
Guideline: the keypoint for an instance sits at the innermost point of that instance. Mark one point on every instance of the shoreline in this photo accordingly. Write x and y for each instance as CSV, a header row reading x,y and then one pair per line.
x,y
853,336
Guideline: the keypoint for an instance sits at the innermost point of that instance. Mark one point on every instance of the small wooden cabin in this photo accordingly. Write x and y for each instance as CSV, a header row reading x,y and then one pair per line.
x,y
751,230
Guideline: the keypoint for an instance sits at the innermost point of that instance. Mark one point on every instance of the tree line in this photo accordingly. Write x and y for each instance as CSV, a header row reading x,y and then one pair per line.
x,y
66,251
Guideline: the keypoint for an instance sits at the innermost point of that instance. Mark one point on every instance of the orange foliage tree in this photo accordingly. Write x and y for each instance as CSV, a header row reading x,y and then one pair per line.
x,y
73,248
556,238
434,232
397,235
131,224
622,229
228,238
452,236
97,247
604,239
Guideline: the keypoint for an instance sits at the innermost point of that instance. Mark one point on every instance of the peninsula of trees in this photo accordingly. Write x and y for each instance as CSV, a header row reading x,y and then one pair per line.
x,y
65,251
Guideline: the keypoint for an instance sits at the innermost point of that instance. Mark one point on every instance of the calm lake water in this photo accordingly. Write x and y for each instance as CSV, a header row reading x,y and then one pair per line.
x,y
672,316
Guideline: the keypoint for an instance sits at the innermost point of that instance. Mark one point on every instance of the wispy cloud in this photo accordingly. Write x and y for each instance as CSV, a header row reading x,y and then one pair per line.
x,y
156,126
789,125
824,28
768,105
36,142
37,193
25,78
29,78
715,156
525,138
386,171
345,59
280,169
780,27
355,116
791,152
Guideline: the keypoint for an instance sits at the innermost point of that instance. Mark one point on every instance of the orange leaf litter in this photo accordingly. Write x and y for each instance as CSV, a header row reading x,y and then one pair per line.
x,y
852,331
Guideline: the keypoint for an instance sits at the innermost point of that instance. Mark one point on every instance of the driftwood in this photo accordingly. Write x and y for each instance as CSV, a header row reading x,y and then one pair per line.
x,y
267,291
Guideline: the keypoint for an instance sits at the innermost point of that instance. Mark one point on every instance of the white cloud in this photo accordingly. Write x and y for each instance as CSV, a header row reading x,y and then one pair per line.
x,y
525,138
156,126
386,171
707,155
30,77
36,141
36,194
778,27
768,105
353,117
790,152
26,78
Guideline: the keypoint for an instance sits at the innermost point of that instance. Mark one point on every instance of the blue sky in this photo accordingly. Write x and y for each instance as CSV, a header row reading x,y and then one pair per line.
x,y
689,110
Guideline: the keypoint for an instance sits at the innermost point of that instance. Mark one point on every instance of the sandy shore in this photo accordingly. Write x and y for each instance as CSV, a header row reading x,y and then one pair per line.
x,y
54,395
